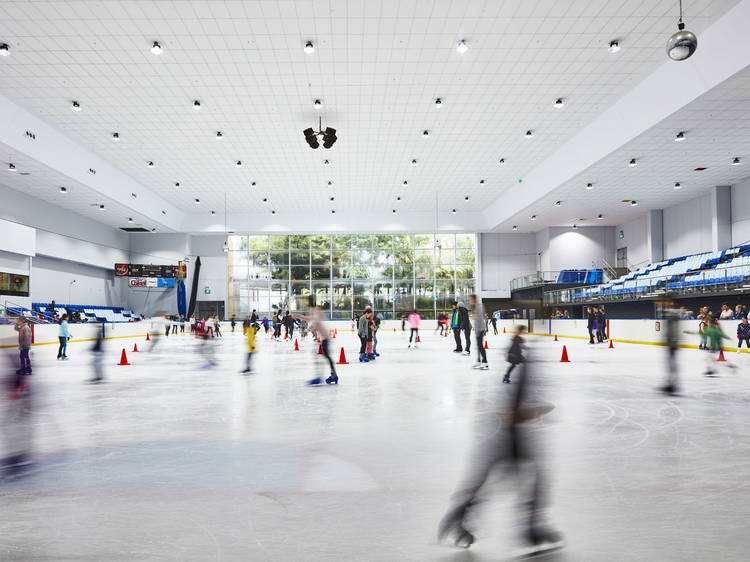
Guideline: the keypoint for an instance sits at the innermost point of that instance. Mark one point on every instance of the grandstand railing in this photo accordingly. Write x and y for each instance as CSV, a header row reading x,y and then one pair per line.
x,y
685,284
14,310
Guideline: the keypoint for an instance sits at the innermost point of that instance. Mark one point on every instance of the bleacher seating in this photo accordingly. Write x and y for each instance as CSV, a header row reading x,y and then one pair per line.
x,y
706,269
585,276
90,312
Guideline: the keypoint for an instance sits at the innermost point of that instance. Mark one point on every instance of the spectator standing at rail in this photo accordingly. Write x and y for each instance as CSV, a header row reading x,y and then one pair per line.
x,y
726,312
601,320
591,320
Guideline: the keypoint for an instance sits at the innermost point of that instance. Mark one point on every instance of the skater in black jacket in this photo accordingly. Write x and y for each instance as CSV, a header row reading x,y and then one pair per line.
x,y
590,324
601,326
515,353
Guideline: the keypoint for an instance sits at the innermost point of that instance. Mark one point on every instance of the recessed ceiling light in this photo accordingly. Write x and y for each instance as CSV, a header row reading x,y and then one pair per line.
x,y
600,217
333,212
101,207
273,212
453,211
481,182
736,162
238,164
309,48
177,185
317,104
115,137
677,185
425,133
466,198
219,135
265,199
153,230
213,213
11,167
163,212
75,106
558,203
502,161
130,219
529,134
438,102
462,47
614,46
196,105
575,226
634,203
679,137
134,196
559,103
414,162
156,48
394,211
63,189
197,201
633,163
398,198
330,182
515,227
589,186
331,199
533,217
150,164
326,163
4,50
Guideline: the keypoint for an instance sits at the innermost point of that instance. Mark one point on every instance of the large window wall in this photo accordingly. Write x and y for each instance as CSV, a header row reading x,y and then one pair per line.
x,y
345,273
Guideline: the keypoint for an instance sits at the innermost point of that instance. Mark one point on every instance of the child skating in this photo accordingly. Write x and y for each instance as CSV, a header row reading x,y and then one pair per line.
x,y
250,333
515,352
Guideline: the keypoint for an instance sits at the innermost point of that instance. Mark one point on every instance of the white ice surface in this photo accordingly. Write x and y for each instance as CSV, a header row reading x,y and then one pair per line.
x,y
167,461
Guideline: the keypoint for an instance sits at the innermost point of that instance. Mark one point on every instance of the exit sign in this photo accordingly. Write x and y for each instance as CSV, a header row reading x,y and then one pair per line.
x,y
207,291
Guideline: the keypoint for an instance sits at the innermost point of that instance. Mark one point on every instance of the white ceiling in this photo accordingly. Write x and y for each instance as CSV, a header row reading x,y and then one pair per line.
x,y
717,129
377,68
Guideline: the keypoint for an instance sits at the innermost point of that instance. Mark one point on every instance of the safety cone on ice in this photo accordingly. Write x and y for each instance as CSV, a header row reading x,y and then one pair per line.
x,y
503,329
394,330
342,358
485,345
721,355
335,332
135,348
564,358
285,335
320,349
418,340
610,345
555,337
123,358
296,345
147,337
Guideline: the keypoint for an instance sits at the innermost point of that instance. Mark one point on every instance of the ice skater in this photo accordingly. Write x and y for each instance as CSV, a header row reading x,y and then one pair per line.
x,y
515,352
24,345
507,443
713,335
414,319
97,357
743,334
317,327
217,327
479,319
63,335
670,323
601,321
376,328
250,333
17,426
591,323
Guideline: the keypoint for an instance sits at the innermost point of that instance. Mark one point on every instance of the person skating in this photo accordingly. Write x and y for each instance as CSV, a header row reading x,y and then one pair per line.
x,y
316,324
63,335
362,330
743,334
466,327
97,353
251,348
24,345
713,335
182,323
479,319
217,327
670,323
590,324
370,333
233,321
459,319
515,352
493,321
265,323
376,328
601,321
413,320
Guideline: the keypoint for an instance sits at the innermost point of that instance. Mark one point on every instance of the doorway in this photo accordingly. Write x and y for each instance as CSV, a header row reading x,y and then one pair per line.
x,y
622,257
209,309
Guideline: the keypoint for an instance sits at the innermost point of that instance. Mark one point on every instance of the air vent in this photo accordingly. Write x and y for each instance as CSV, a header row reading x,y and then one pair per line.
x,y
134,229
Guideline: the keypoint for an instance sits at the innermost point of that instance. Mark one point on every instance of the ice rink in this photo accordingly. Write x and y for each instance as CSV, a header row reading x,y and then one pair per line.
x,y
169,461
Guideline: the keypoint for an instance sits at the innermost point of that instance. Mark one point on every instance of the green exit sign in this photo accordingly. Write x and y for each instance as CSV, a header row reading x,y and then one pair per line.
x,y
206,291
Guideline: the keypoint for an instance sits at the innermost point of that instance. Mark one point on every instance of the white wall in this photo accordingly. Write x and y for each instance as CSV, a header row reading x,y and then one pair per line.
x,y
741,212
687,227
504,257
581,248
635,239
51,279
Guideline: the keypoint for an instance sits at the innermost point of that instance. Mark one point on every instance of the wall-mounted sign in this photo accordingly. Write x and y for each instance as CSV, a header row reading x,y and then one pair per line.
x,y
143,270
151,282
207,290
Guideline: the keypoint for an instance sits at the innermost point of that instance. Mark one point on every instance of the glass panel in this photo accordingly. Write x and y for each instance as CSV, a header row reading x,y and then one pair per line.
x,y
445,257
237,243
279,272
320,242
321,272
300,298
463,290
427,314
300,272
404,257
364,257
321,257
465,271
362,301
423,241
383,293
279,242
237,258
259,259
384,242
403,241
404,271
279,295
360,272
423,271
444,272
465,256
342,300
361,241
444,291
446,241
341,271
465,240
258,242
279,258
342,242
423,256
342,257
322,295
423,291
299,242
404,296
300,257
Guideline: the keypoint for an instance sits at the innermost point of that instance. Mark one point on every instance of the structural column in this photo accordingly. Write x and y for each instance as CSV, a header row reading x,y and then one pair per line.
x,y
721,217
655,235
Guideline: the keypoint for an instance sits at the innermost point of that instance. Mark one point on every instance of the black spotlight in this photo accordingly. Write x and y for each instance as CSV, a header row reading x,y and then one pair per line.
x,y
311,139
329,137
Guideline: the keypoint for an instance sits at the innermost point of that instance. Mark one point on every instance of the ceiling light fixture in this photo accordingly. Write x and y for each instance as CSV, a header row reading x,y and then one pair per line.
x,y
238,164
310,138
76,106
438,102
529,134
101,207
677,185
177,185
197,201
333,212
163,212
633,163
453,211
252,184
575,226
331,198
196,105
150,164
326,163
394,211
398,198
273,212
219,135
212,212
153,229
462,47
481,182
589,186
226,246
558,203
115,137
614,46
309,48
515,227
466,198
406,182
317,104
130,219
679,137
156,48
329,137
425,134
559,103
634,203
4,50
63,189
414,162
502,161
736,162
11,167
265,199
683,43
533,217
600,217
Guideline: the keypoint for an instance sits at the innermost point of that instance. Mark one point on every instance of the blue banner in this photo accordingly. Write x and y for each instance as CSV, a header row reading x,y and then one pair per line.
x,y
181,301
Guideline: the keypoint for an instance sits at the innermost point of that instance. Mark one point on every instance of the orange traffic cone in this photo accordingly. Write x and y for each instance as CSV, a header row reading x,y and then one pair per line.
x,y
485,345
394,330
721,355
564,358
342,358
503,329
296,345
335,332
285,335
123,358
320,349
135,348
418,340
147,337
610,345
555,337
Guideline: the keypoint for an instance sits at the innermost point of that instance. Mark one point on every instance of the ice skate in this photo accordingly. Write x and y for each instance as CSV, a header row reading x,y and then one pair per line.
x,y
333,379
451,526
315,382
484,367
506,379
541,540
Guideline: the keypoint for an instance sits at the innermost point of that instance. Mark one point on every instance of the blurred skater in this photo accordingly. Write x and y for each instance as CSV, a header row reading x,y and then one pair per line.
x,y
217,327
63,334
182,323
316,323
233,321
713,335
158,324
414,319
480,329
670,326
515,352
250,333
24,345
376,329
17,427
493,321
508,442
97,357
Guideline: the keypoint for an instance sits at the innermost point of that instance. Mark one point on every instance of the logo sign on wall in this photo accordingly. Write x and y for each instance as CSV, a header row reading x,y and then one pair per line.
x,y
142,270
151,282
